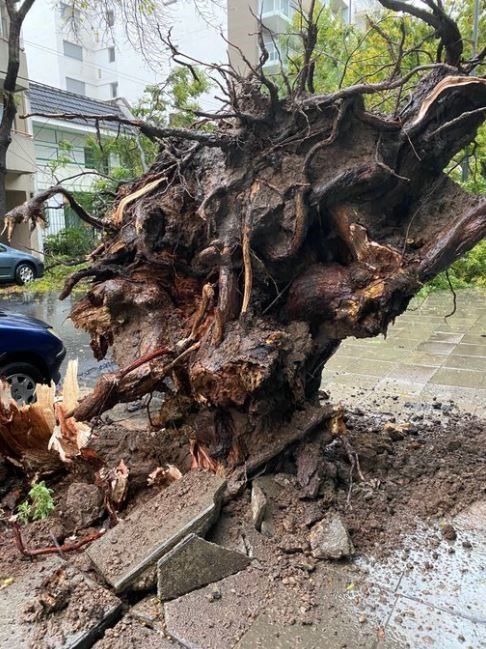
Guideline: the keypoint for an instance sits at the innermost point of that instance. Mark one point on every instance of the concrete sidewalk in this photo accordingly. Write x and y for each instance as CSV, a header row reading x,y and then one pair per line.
x,y
425,358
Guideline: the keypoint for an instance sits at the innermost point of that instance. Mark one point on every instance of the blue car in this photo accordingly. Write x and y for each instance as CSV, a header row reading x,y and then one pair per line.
x,y
30,352
17,266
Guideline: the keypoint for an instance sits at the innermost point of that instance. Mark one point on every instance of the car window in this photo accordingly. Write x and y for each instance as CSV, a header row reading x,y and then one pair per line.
x,y
2,248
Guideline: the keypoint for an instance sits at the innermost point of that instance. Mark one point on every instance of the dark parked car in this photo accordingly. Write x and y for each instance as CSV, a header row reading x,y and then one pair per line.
x,y
17,266
30,352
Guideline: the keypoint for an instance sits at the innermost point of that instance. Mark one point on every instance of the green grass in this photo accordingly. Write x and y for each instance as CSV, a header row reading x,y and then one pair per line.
x,y
53,280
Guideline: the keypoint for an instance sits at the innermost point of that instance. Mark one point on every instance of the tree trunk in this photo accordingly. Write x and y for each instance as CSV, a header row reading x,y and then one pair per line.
x,y
238,263
15,20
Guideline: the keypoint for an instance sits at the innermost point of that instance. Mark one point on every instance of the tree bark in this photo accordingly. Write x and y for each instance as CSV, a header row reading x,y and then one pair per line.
x,y
236,266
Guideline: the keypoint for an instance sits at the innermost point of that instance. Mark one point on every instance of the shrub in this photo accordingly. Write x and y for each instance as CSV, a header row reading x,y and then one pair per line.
x,y
38,505
70,242
469,271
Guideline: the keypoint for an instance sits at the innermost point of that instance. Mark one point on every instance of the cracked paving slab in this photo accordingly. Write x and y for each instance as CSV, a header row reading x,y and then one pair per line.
x,y
193,563
190,504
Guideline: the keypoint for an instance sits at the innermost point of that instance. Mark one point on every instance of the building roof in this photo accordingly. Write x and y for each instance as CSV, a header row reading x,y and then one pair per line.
x,y
46,99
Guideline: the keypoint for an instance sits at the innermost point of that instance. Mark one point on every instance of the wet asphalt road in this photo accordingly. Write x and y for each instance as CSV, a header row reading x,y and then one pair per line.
x,y
47,307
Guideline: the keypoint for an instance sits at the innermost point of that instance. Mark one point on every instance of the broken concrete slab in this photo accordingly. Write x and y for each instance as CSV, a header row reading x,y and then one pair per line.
x,y
237,533
193,563
258,505
129,633
190,504
52,604
329,539
216,616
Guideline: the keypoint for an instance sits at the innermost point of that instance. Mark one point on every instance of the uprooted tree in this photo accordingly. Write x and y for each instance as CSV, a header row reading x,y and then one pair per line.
x,y
229,273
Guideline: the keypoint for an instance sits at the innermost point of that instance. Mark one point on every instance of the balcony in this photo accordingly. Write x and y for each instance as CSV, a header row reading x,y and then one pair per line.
x,y
277,15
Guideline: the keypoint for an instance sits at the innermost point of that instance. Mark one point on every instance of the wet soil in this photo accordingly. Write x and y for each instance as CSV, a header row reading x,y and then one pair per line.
x,y
421,469
424,469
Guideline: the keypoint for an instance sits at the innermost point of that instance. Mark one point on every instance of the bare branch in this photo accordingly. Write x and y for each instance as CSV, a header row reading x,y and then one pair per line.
x,y
150,130
446,28
371,88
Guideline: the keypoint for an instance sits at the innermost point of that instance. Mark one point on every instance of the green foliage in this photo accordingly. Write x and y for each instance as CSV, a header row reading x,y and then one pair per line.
x,y
71,243
367,53
39,504
469,271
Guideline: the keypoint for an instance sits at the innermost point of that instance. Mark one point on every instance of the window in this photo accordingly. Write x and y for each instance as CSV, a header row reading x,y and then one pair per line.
x,y
69,12
74,85
72,50
114,89
89,157
3,20
110,17
111,54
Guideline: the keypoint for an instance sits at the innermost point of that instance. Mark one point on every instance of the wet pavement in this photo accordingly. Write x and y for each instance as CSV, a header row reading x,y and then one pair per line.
x,y
425,359
430,593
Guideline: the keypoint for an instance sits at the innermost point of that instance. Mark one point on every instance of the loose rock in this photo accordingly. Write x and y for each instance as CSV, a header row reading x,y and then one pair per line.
x,y
449,532
329,539
258,505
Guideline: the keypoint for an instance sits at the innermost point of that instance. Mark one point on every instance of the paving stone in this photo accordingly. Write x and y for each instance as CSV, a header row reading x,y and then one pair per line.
x,y
130,634
460,378
193,563
414,624
190,504
52,605
348,613
215,617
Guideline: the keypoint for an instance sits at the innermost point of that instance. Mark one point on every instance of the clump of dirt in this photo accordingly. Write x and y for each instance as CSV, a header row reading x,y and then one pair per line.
x,y
426,468
420,470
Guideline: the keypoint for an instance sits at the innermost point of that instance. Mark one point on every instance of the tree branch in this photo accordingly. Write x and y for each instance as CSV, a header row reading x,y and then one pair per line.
x,y
370,88
446,28
453,242
150,130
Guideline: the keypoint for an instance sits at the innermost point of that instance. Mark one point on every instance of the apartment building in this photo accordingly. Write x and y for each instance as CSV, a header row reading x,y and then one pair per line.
x,y
276,17
75,53
64,150
20,155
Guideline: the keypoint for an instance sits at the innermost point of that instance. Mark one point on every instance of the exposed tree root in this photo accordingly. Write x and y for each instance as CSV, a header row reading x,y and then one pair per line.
x,y
251,251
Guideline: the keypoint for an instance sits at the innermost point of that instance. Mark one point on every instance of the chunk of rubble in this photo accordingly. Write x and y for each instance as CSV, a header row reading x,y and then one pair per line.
x,y
193,563
129,633
52,604
329,539
84,505
189,505
258,505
